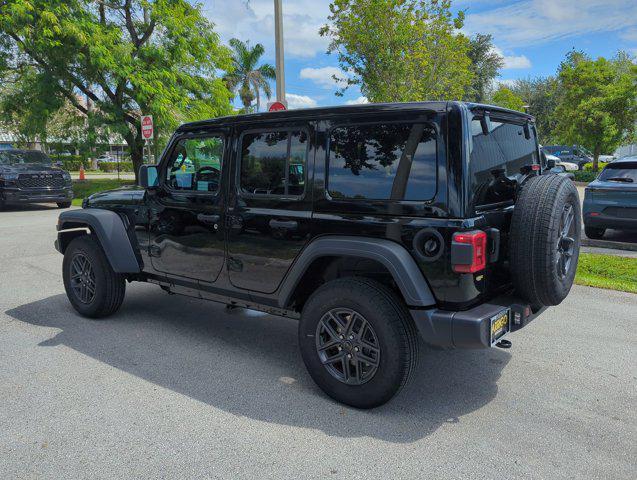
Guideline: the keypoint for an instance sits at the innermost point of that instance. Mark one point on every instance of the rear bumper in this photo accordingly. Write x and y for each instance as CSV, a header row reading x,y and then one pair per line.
x,y
17,195
470,328
606,221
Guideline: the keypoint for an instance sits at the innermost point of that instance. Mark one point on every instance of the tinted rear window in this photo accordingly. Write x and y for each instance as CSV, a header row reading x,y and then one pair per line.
x,y
505,147
624,170
391,161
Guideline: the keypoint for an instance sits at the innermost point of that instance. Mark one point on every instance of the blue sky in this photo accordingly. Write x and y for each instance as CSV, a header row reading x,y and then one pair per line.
x,y
533,36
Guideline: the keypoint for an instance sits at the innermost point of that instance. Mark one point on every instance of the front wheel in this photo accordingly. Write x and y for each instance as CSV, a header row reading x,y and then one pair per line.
x,y
91,285
358,341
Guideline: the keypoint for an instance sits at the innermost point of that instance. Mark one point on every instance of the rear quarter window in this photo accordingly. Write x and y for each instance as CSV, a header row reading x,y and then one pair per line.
x,y
389,161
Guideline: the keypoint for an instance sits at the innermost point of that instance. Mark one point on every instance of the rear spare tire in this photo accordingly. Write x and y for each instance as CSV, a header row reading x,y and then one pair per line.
x,y
544,239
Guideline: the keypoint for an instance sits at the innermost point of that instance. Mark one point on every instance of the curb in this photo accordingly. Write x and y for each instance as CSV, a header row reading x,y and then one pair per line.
x,y
587,242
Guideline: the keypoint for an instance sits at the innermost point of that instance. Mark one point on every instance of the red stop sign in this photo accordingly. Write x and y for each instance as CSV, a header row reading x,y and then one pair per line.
x,y
276,107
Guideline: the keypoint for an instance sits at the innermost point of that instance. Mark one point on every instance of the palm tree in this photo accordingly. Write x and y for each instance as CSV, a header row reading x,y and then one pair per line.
x,y
247,79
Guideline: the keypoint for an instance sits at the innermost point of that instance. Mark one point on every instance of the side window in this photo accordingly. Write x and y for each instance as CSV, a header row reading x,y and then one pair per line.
x,y
195,164
505,147
274,163
392,161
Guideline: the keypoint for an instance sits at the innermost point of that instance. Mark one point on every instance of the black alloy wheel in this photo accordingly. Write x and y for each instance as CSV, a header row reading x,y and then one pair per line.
x,y
82,278
347,346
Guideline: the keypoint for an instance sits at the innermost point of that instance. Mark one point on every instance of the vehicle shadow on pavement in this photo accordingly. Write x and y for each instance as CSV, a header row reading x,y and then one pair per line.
x,y
248,364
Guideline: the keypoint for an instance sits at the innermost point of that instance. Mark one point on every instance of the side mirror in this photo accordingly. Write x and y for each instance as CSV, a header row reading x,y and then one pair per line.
x,y
148,177
550,163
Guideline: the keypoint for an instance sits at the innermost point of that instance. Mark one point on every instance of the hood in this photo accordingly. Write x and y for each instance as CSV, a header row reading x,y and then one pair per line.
x,y
123,196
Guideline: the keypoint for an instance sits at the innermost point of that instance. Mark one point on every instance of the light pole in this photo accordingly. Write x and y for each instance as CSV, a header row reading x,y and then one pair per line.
x,y
278,39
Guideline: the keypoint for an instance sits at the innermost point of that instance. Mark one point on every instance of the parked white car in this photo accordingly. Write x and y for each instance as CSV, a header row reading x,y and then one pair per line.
x,y
568,166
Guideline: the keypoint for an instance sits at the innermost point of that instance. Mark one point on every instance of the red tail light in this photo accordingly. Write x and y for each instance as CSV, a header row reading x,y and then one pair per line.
x,y
469,251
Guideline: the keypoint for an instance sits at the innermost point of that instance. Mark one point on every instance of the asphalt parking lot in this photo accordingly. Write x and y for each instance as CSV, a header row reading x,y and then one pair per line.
x,y
177,388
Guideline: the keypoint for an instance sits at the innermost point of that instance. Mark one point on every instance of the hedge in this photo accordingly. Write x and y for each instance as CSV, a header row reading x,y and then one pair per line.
x,y
585,176
112,166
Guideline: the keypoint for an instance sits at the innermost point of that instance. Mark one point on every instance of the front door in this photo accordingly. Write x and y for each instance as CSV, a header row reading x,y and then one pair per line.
x,y
270,206
186,237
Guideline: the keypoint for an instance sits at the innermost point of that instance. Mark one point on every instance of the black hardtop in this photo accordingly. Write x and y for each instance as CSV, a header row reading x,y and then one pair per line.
x,y
344,111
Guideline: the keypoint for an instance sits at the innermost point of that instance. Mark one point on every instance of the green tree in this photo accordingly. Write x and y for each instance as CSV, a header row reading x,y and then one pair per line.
x,y
247,78
400,50
485,66
541,95
128,57
504,97
598,106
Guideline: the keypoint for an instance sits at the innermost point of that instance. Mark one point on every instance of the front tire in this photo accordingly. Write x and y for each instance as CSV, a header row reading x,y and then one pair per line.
x,y
91,285
358,341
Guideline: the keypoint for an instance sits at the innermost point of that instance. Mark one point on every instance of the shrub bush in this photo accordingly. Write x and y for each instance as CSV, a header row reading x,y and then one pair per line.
x,y
585,176
589,166
112,166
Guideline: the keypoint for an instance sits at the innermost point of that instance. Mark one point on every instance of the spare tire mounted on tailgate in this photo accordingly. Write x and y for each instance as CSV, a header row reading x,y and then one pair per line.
x,y
545,239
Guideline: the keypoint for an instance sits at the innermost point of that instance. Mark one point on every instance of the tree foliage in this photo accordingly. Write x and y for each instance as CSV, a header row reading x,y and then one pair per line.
x,y
485,66
504,97
125,57
247,78
541,94
598,104
400,50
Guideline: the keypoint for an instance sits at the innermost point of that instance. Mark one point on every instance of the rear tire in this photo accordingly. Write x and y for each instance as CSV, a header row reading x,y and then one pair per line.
x,y
545,238
594,233
91,285
378,334
64,204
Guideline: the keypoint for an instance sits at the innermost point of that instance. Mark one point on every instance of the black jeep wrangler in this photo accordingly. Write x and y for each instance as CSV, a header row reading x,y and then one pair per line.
x,y
374,225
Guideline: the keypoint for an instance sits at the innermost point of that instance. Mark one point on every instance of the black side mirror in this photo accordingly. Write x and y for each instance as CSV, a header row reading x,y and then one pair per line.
x,y
550,163
148,177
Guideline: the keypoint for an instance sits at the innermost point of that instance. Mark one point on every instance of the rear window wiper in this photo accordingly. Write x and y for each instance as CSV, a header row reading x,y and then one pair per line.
x,y
620,179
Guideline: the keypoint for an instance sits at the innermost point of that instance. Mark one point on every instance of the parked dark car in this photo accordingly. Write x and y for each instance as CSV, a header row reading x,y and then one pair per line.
x,y
28,176
611,200
372,224
570,153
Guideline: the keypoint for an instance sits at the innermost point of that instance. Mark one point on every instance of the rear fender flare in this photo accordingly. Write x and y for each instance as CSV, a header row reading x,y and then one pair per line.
x,y
110,230
393,256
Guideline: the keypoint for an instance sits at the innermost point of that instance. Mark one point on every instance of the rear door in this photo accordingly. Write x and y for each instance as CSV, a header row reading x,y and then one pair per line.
x,y
269,210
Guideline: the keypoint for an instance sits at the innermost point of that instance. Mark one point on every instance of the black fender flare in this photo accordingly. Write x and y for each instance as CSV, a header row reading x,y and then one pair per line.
x,y
110,230
393,256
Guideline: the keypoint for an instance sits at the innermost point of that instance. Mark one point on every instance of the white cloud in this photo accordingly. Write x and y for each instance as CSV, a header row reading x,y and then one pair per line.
x,y
533,22
299,101
512,62
254,21
504,82
323,77
357,101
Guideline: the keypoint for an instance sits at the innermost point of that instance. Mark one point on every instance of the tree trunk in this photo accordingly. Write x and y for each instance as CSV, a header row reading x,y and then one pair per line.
x,y
135,147
596,152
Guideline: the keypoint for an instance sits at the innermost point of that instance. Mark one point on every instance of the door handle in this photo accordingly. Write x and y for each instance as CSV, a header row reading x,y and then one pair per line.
x,y
284,224
209,219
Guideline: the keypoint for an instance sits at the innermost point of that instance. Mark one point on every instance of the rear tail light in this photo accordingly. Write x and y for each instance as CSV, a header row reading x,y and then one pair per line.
x,y
469,251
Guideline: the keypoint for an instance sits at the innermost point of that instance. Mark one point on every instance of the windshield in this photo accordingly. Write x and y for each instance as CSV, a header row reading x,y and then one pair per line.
x,y
624,171
23,157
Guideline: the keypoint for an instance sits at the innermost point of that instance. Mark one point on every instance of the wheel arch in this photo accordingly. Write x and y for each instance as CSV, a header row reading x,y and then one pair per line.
x,y
325,253
110,230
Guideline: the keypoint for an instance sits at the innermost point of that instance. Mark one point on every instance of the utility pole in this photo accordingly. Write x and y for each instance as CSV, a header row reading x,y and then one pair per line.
x,y
278,37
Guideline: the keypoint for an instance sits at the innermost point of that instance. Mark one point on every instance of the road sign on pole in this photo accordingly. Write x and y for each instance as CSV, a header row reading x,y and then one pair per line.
x,y
147,127
277,106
